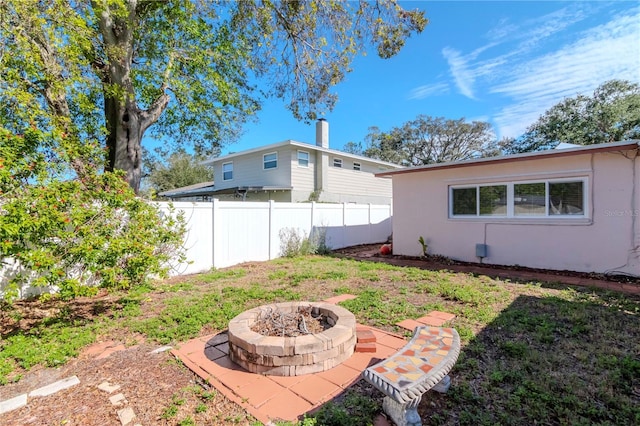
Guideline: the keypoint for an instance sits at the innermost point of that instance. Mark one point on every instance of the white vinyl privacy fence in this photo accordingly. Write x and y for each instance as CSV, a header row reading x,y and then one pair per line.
x,y
225,233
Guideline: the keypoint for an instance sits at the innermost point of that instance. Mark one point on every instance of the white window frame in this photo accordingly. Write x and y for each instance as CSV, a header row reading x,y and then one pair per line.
x,y
337,162
307,159
357,166
264,161
510,200
224,172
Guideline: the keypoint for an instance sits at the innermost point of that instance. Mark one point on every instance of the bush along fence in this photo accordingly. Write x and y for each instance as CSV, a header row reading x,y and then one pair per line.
x,y
226,233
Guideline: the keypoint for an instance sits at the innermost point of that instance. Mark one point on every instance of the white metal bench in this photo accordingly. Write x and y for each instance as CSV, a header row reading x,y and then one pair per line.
x,y
421,365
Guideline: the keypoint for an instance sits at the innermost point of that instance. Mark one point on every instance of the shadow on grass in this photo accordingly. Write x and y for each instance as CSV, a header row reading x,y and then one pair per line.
x,y
28,316
548,360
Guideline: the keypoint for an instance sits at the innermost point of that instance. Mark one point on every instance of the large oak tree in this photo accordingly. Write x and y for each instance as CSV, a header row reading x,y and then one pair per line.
x,y
428,140
107,71
611,114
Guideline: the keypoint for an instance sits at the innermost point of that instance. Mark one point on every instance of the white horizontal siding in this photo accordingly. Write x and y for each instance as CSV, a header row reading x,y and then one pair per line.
x,y
248,170
303,178
351,182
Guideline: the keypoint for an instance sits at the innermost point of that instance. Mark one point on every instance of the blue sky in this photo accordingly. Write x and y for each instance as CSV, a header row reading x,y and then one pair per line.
x,y
504,62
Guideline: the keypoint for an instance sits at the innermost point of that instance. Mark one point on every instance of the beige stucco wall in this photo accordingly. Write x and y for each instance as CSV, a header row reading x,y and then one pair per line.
x,y
607,240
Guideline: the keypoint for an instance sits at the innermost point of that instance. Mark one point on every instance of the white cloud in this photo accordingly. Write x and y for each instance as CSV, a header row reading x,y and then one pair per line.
x,y
425,91
460,72
606,52
464,72
466,69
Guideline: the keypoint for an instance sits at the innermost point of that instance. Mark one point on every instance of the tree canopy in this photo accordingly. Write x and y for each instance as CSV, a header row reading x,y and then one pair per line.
x,y
611,114
428,140
178,170
106,71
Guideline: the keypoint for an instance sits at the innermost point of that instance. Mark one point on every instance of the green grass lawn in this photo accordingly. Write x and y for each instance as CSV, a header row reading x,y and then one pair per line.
x,y
532,353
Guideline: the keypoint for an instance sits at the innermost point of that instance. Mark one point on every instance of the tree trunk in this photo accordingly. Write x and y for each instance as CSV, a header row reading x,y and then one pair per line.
x,y
124,140
125,122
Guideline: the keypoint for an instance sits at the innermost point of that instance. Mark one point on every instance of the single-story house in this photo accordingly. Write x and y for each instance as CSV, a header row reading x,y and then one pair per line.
x,y
576,208
292,171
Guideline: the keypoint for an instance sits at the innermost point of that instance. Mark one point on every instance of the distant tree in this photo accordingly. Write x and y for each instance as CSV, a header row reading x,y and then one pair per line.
x,y
177,170
611,114
108,71
353,148
428,140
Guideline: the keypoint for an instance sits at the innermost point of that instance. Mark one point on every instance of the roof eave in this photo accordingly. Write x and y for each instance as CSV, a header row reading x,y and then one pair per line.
x,y
588,149
302,145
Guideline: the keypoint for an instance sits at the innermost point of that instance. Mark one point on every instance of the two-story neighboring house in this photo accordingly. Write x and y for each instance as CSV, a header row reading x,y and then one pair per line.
x,y
291,171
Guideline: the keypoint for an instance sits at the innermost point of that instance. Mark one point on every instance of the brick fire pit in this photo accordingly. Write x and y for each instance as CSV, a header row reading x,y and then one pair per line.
x,y
292,356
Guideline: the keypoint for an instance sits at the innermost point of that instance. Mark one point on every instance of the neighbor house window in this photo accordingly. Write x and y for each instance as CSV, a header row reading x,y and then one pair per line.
x,y
356,166
270,160
227,171
337,162
303,159
556,198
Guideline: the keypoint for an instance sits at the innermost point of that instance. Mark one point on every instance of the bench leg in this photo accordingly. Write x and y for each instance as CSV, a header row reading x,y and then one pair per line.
x,y
403,414
443,385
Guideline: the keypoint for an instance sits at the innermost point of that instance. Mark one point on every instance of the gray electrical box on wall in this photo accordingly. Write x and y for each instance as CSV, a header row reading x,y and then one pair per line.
x,y
481,250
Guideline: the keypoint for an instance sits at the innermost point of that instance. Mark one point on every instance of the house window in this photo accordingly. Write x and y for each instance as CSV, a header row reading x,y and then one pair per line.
x,y
356,166
227,171
464,201
566,198
550,198
493,200
337,162
529,199
303,159
270,161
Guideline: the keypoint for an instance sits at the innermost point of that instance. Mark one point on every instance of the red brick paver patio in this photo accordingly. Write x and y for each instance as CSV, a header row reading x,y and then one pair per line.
x,y
270,398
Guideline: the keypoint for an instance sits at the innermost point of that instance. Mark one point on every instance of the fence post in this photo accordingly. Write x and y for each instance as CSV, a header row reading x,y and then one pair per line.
x,y
313,215
271,229
215,218
369,233
344,225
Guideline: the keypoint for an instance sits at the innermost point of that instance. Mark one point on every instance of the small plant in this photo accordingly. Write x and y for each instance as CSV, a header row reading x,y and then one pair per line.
x,y
170,412
424,246
293,243
188,421
314,195
353,409
319,240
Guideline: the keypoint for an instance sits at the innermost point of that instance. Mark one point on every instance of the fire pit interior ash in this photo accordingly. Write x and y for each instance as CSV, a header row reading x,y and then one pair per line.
x,y
272,322
292,338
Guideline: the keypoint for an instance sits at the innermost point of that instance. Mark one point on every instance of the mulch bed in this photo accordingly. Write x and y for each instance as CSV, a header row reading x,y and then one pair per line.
x,y
372,252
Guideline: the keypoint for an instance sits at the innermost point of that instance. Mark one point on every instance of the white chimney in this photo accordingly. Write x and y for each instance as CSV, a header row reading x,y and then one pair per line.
x,y
322,133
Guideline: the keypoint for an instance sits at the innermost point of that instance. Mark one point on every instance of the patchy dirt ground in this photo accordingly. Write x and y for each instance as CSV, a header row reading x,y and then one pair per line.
x,y
159,389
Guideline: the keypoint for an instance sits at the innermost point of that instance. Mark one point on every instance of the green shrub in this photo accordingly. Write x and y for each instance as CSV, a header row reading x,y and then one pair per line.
x,y
74,234
293,243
